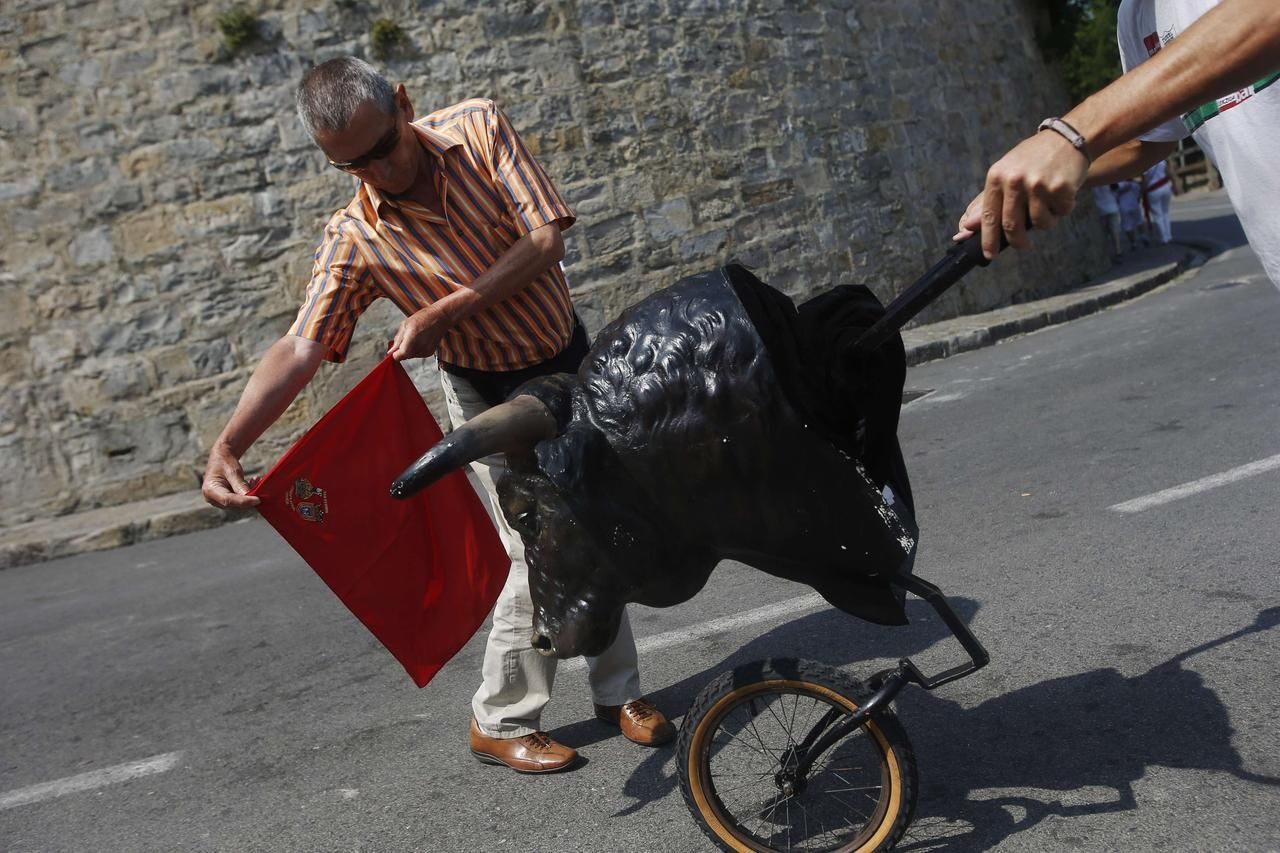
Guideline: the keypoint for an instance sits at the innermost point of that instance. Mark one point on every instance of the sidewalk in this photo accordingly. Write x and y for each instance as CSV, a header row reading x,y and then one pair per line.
x,y
126,524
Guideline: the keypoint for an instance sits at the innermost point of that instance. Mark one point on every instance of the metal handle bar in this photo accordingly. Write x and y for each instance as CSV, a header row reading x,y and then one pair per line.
x,y
888,682
960,258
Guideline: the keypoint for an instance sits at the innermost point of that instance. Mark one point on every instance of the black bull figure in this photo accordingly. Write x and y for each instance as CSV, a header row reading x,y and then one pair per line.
x,y
713,420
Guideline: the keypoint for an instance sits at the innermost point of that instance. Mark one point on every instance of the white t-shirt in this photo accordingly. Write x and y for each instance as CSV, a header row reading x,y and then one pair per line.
x,y
1239,132
1156,179
1128,196
1105,199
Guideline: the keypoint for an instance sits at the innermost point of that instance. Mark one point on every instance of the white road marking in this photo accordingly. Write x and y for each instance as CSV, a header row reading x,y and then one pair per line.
x,y
89,781
769,612
937,397
1196,486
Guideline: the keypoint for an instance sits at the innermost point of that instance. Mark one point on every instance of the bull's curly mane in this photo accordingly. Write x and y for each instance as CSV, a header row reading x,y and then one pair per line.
x,y
683,366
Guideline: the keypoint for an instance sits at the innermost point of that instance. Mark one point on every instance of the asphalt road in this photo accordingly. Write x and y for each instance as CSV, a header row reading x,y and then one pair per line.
x,y
207,692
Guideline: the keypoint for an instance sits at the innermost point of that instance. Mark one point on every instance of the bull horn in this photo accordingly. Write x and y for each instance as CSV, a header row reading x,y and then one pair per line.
x,y
517,424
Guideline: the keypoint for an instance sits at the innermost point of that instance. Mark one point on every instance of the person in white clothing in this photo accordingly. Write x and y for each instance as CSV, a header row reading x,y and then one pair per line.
x,y
1104,198
1193,67
1129,198
1157,192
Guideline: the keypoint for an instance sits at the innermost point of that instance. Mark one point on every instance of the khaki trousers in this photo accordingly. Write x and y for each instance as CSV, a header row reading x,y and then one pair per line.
x,y
516,681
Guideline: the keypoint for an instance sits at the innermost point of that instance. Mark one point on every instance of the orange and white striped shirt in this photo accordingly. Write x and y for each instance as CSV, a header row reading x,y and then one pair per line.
x,y
493,193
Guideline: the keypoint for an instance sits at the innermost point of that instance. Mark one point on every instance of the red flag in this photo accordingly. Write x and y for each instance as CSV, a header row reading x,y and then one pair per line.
x,y
422,573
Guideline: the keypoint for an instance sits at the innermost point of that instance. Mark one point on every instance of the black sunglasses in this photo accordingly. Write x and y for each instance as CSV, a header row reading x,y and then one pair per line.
x,y
381,149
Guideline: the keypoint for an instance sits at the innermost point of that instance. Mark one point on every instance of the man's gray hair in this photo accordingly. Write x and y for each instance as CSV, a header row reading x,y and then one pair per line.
x,y
330,94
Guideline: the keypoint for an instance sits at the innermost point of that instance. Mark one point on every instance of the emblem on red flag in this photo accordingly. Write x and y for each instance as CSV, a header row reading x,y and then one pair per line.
x,y
299,499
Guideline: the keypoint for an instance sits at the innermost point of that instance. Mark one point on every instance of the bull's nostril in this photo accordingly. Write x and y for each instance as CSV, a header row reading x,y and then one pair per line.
x,y
542,644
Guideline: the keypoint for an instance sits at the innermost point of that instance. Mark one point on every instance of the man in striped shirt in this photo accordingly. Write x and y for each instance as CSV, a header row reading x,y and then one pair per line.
x,y
457,224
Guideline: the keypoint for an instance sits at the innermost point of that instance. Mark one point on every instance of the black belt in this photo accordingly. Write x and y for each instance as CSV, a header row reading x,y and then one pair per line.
x,y
494,386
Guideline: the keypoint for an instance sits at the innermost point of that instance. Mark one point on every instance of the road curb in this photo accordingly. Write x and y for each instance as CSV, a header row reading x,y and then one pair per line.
x,y
108,527
962,334
186,512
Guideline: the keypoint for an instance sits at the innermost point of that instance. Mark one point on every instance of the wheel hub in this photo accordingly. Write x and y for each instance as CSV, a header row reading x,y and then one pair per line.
x,y
789,782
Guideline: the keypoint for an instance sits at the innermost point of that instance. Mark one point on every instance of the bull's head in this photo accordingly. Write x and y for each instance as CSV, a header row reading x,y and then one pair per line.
x,y
592,542
675,446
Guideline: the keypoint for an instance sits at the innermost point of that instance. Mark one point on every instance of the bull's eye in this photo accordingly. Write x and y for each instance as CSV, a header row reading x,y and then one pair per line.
x,y
526,523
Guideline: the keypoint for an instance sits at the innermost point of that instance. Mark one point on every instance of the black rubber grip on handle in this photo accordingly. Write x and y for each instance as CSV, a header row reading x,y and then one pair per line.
x,y
960,258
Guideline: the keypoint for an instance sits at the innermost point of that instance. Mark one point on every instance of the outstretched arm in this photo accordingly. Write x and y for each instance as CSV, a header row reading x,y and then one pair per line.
x,y
1228,48
285,370
1128,161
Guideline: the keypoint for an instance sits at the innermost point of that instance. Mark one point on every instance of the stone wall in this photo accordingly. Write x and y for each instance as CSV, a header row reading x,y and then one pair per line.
x,y
160,203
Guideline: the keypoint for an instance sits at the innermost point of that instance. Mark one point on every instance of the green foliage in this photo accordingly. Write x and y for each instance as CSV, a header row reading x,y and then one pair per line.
x,y
239,28
1079,36
386,38
1094,60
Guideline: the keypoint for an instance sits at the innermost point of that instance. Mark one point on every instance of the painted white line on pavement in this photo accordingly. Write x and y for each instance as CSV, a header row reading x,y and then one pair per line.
x,y
769,612
934,397
1196,486
89,781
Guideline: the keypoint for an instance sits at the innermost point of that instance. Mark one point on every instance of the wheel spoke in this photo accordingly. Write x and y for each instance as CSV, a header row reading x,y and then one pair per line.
x,y
752,724
787,802
761,750
779,721
851,807
750,784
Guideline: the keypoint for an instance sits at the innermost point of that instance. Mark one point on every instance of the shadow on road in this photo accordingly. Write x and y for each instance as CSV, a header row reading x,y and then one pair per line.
x,y
1077,743
1080,741
1224,229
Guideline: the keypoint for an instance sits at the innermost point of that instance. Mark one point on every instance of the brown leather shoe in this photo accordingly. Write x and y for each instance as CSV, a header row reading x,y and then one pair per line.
x,y
532,753
640,722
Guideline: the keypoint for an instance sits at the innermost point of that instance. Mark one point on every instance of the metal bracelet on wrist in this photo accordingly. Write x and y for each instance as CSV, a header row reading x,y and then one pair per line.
x,y
1068,133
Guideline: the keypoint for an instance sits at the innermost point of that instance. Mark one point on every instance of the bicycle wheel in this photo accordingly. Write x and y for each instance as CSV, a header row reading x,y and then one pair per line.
x,y
749,726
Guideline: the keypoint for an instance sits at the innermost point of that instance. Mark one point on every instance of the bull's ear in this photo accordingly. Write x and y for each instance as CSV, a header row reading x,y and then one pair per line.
x,y
556,393
567,458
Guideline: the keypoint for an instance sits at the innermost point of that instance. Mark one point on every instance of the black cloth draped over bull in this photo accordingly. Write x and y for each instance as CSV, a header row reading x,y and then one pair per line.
x,y
851,397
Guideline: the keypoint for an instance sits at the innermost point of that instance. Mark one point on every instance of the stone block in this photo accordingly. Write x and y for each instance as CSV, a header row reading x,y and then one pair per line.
x,y
767,192
512,20
76,176
114,199
147,233
125,379
18,190
706,249
668,221
92,247
149,161
126,65
53,351
611,235
17,120
589,200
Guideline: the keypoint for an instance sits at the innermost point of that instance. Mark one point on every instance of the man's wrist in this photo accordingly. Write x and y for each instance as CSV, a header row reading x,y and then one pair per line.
x,y
454,308
225,447
1068,132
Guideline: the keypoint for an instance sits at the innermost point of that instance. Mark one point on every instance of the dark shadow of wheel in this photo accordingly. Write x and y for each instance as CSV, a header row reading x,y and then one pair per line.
x,y
742,744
